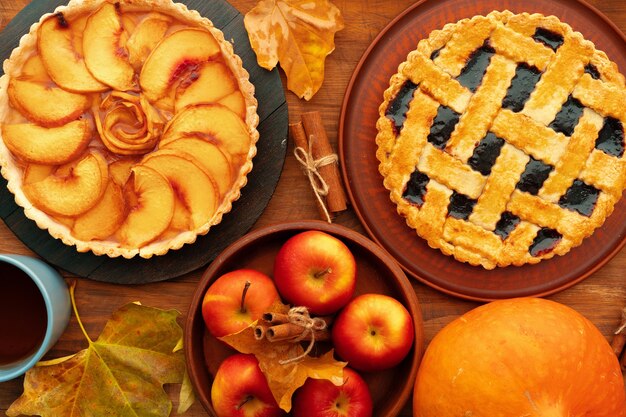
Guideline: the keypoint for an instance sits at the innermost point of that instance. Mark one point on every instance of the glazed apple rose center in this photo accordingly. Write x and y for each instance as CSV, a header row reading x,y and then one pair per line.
x,y
127,124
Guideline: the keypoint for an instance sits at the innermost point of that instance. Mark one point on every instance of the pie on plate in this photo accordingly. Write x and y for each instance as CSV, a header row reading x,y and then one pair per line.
x,y
501,139
126,128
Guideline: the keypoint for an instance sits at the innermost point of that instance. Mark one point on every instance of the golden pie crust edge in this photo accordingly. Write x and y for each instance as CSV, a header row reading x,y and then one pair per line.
x,y
385,140
13,174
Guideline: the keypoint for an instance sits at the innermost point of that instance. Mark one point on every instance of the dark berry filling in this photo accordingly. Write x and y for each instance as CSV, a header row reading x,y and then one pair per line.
x,y
396,112
580,197
474,71
443,126
545,242
567,119
534,176
507,223
547,37
611,137
486,153
460,206
593,71
416,188
524,82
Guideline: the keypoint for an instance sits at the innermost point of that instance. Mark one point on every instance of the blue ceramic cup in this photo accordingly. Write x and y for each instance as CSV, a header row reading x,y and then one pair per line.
x,y
57,306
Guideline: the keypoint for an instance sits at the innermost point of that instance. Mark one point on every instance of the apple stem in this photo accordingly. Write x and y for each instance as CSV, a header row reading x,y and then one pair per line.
x,y
320,274
246,400
246,287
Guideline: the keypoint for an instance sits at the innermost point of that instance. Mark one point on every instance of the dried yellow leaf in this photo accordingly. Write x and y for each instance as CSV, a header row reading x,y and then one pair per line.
x,y
297,33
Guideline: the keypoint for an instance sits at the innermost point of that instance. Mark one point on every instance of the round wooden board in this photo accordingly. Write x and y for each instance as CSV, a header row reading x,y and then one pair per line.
x,y
357,148
262,181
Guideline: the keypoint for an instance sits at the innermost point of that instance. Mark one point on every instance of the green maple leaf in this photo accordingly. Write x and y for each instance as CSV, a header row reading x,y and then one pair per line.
x,y
122,373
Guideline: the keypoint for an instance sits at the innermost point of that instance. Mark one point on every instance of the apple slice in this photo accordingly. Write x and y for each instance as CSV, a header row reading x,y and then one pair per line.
x,y
48,146
104,218
33,70
73,194
213,82
120,170
44,105
236,103
150,209
173,57
209,157
145,37
103,45
60,46
214,121
192,186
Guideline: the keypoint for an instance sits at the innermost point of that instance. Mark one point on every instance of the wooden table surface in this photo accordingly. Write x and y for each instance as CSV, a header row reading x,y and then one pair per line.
x,y
600,297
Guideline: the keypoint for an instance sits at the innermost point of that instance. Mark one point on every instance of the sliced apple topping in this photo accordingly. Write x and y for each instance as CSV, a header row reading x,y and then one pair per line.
x,y
209,157
48,146
174,57
46,106
74,193
104,218
150,207
127,124
104,41
60,47
120,170
212,82
145,37
192,186
236,103
213,122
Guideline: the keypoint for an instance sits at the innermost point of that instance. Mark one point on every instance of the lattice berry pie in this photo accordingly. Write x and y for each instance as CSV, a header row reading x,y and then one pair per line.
x,y
501,139
127,127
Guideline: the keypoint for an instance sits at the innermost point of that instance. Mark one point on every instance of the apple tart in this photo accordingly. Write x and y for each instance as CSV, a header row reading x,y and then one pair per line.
x,y
501,139
127,128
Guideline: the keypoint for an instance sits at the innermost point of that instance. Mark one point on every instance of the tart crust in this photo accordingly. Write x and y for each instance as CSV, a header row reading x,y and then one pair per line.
x,y
433,69
13,173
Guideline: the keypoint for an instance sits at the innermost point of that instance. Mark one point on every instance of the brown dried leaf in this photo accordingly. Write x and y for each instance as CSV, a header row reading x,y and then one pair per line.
x,y
120,374
297,33
285,379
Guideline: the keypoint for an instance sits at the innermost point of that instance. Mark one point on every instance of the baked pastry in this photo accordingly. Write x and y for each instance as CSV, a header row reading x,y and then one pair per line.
x,y
128,127
501,139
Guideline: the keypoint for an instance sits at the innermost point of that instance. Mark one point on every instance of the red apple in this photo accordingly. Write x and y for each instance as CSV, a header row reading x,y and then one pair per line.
x,y
373,332
237,299
315,270
321,398
240,389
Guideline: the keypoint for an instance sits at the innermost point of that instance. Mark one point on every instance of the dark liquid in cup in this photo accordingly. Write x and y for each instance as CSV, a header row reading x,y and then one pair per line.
x,y
23,316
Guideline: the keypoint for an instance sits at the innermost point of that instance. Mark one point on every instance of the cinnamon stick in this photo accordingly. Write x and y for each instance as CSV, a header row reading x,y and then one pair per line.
x,y
259,332
300,140
280,318
314,126
289,331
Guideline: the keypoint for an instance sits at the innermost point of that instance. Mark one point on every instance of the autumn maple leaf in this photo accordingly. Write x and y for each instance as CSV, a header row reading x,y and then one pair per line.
x,y
297,33
120,374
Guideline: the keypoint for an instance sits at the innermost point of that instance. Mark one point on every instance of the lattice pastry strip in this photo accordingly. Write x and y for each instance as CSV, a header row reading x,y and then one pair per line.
x,y
569,166
501,139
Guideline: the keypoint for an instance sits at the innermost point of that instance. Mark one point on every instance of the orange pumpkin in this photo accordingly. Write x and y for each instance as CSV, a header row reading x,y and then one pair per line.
x,y
522,357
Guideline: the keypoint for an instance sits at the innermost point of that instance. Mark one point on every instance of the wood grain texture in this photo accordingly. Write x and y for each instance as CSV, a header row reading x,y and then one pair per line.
x,y
600,297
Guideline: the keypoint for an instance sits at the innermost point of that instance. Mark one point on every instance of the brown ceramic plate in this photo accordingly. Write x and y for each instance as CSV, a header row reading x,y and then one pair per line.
x,y
376,272
357,148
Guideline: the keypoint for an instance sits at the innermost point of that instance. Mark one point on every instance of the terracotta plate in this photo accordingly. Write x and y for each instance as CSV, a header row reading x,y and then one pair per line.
x,y
376,272
357,147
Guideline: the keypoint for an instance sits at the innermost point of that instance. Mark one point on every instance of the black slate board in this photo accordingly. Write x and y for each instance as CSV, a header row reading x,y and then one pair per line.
x,y
262,181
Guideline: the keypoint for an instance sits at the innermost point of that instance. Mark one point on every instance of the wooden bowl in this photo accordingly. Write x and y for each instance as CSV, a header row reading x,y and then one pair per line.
x,y
377,272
